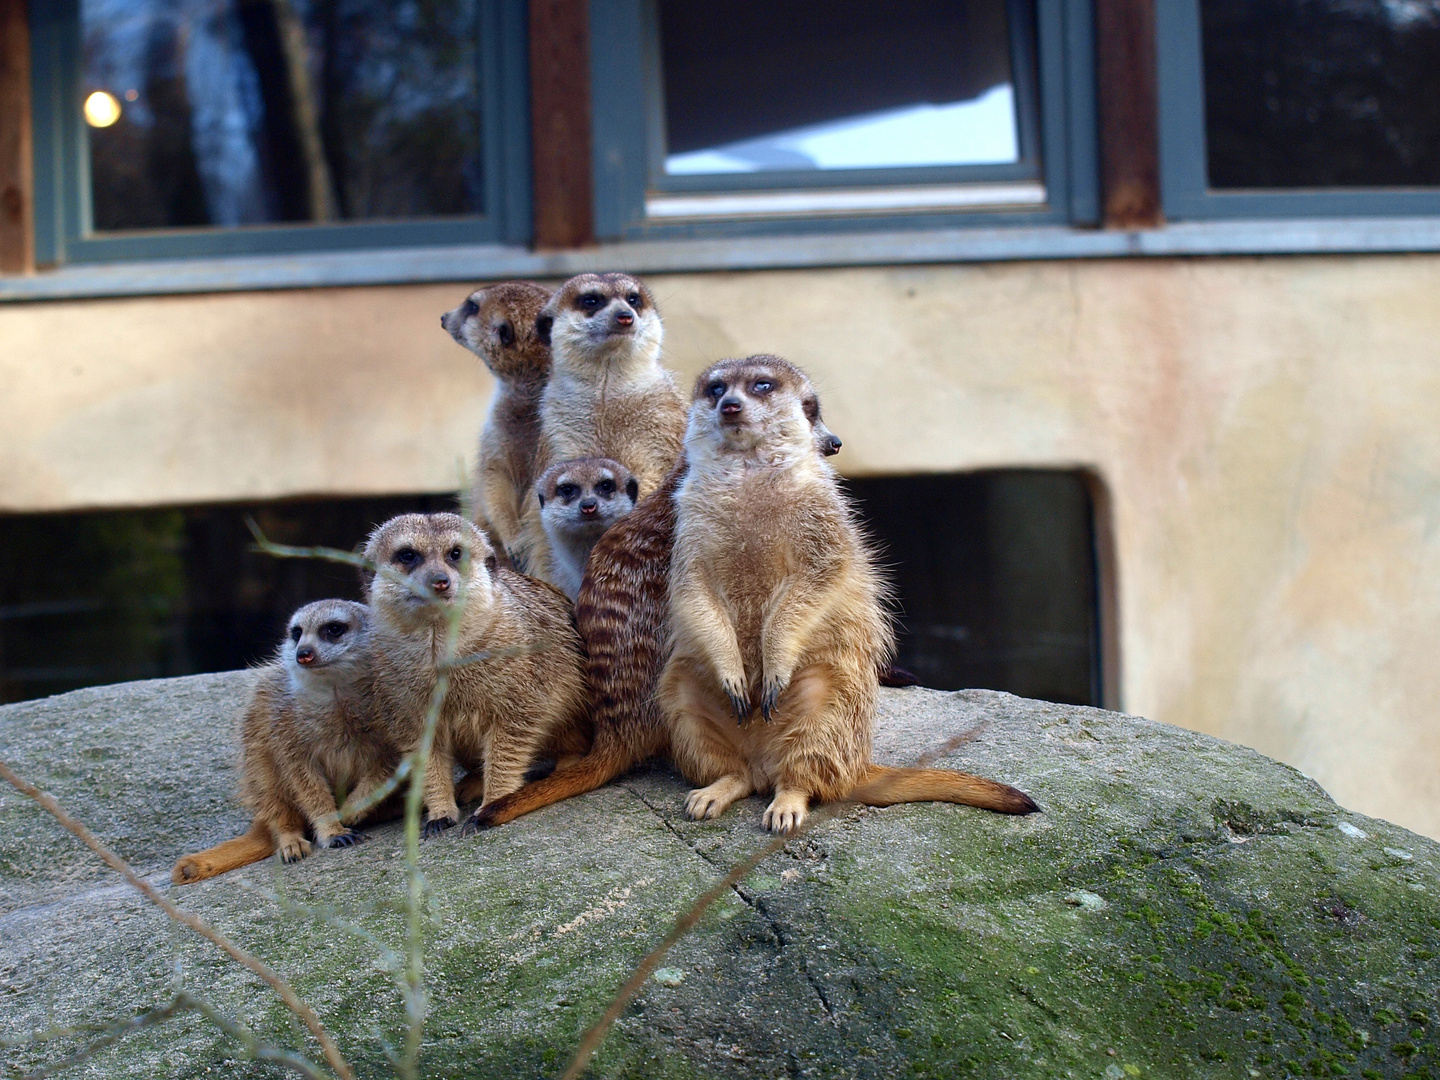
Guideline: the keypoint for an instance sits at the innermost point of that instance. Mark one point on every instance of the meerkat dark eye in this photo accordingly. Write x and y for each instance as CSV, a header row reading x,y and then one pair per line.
x,y
606,487
468,308
294,633
567,491
333,631
407,557
715,389
592,301
633,299
455,554
763,386
505,334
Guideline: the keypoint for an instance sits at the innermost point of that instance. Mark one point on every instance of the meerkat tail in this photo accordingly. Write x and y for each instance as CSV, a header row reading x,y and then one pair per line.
x,y
885,786
255,845
597,768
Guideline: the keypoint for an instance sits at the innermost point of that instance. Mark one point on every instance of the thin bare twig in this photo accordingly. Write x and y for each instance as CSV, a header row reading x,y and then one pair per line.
x,y
683,925
285,991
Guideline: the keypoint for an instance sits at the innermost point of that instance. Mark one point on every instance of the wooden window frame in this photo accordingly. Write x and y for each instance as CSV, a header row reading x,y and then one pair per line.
x,y
61,191
1184,174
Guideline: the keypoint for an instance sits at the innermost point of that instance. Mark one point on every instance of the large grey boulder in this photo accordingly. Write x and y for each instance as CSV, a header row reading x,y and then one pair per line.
x,y
1183,907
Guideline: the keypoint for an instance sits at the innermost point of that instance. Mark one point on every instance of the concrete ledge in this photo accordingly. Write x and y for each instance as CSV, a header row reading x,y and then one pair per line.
x,y
493,262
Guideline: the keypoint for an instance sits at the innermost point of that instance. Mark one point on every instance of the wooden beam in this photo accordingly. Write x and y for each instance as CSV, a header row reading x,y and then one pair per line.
x,y
1128,107
17,205
564,196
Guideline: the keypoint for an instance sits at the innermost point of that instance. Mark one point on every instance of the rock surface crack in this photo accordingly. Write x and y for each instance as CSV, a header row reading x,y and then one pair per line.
x,y
747,898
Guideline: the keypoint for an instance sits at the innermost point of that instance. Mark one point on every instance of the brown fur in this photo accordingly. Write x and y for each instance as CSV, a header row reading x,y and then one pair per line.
x,y
497,324
579,501
622,611
777,615
501,713
312,730
607,396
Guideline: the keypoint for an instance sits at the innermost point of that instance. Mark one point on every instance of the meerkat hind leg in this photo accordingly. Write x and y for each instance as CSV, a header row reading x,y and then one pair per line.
x,y
715,799
786,811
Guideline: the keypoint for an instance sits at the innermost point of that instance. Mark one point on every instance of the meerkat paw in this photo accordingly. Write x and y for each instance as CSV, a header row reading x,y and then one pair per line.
x,y
475,823
786,812
773,687
739,699
347,838
711,802
292,847
436,826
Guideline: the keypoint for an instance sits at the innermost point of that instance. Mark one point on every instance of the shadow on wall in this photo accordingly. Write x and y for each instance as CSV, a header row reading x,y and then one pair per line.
x,y
995,576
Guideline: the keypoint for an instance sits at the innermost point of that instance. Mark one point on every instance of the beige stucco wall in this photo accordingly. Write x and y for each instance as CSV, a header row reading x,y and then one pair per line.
x,y
1269,431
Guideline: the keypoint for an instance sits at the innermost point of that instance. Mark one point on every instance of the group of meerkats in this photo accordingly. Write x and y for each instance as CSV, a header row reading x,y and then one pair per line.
x,y
642,579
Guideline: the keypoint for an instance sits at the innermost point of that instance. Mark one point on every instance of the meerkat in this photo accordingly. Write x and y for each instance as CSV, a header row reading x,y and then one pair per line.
x,y
777,613
622,612
497,324
502,712
310,735
580,500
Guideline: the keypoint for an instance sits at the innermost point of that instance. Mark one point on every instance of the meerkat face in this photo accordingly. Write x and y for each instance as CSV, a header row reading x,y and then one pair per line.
x,y
759,404
325,636
433,561
585,497
497,324
602,318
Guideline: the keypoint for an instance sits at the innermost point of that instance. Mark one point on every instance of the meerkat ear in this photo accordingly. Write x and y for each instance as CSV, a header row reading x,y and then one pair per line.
x,y
367,573
543,324
632,488
490,564
541,496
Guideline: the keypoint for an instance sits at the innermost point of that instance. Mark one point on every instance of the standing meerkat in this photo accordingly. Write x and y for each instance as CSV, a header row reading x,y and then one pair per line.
x,y
310,735
777,616
502,712
580,500
497,324
622,611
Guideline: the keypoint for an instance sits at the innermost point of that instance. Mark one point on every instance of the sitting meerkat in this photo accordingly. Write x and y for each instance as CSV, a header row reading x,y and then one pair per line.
x,y
310,736
777,613
497,324
580,500
501,713
622,611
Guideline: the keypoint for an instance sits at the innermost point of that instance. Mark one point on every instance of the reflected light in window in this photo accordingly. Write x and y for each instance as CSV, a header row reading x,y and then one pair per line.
x,y
101,109
981,131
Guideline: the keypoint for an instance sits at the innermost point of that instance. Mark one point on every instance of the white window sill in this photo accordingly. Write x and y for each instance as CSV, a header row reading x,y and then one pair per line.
x,y
495,262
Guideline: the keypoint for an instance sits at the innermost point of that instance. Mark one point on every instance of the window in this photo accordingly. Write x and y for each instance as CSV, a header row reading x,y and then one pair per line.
x,y
1299,107
235,126
776,111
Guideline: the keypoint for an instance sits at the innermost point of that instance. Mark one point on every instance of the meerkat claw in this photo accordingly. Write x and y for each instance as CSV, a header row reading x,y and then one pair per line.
x,y
774,688
739,703
473,825
436,826
348,838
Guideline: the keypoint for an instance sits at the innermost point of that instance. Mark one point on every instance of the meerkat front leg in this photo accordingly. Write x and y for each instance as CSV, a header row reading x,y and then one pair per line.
x,y
793,612
709,632
442,811
317,802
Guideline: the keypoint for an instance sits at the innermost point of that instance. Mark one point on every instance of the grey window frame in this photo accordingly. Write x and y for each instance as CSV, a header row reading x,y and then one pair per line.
x,y
61,149
1184,171
628,139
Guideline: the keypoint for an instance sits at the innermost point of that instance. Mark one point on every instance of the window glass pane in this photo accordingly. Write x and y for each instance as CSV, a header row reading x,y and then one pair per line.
x,y
1322,93
766,85
243,112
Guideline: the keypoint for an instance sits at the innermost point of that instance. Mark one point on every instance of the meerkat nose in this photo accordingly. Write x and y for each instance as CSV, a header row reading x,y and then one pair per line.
x,y
625,318
589,507
305,654
730,406
440,583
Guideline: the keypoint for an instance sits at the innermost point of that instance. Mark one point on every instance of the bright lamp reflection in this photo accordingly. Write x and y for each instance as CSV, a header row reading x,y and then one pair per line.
x,y
101,109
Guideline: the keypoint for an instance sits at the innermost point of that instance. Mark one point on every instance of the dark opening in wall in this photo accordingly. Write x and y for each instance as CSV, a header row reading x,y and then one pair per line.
x,y
995,577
